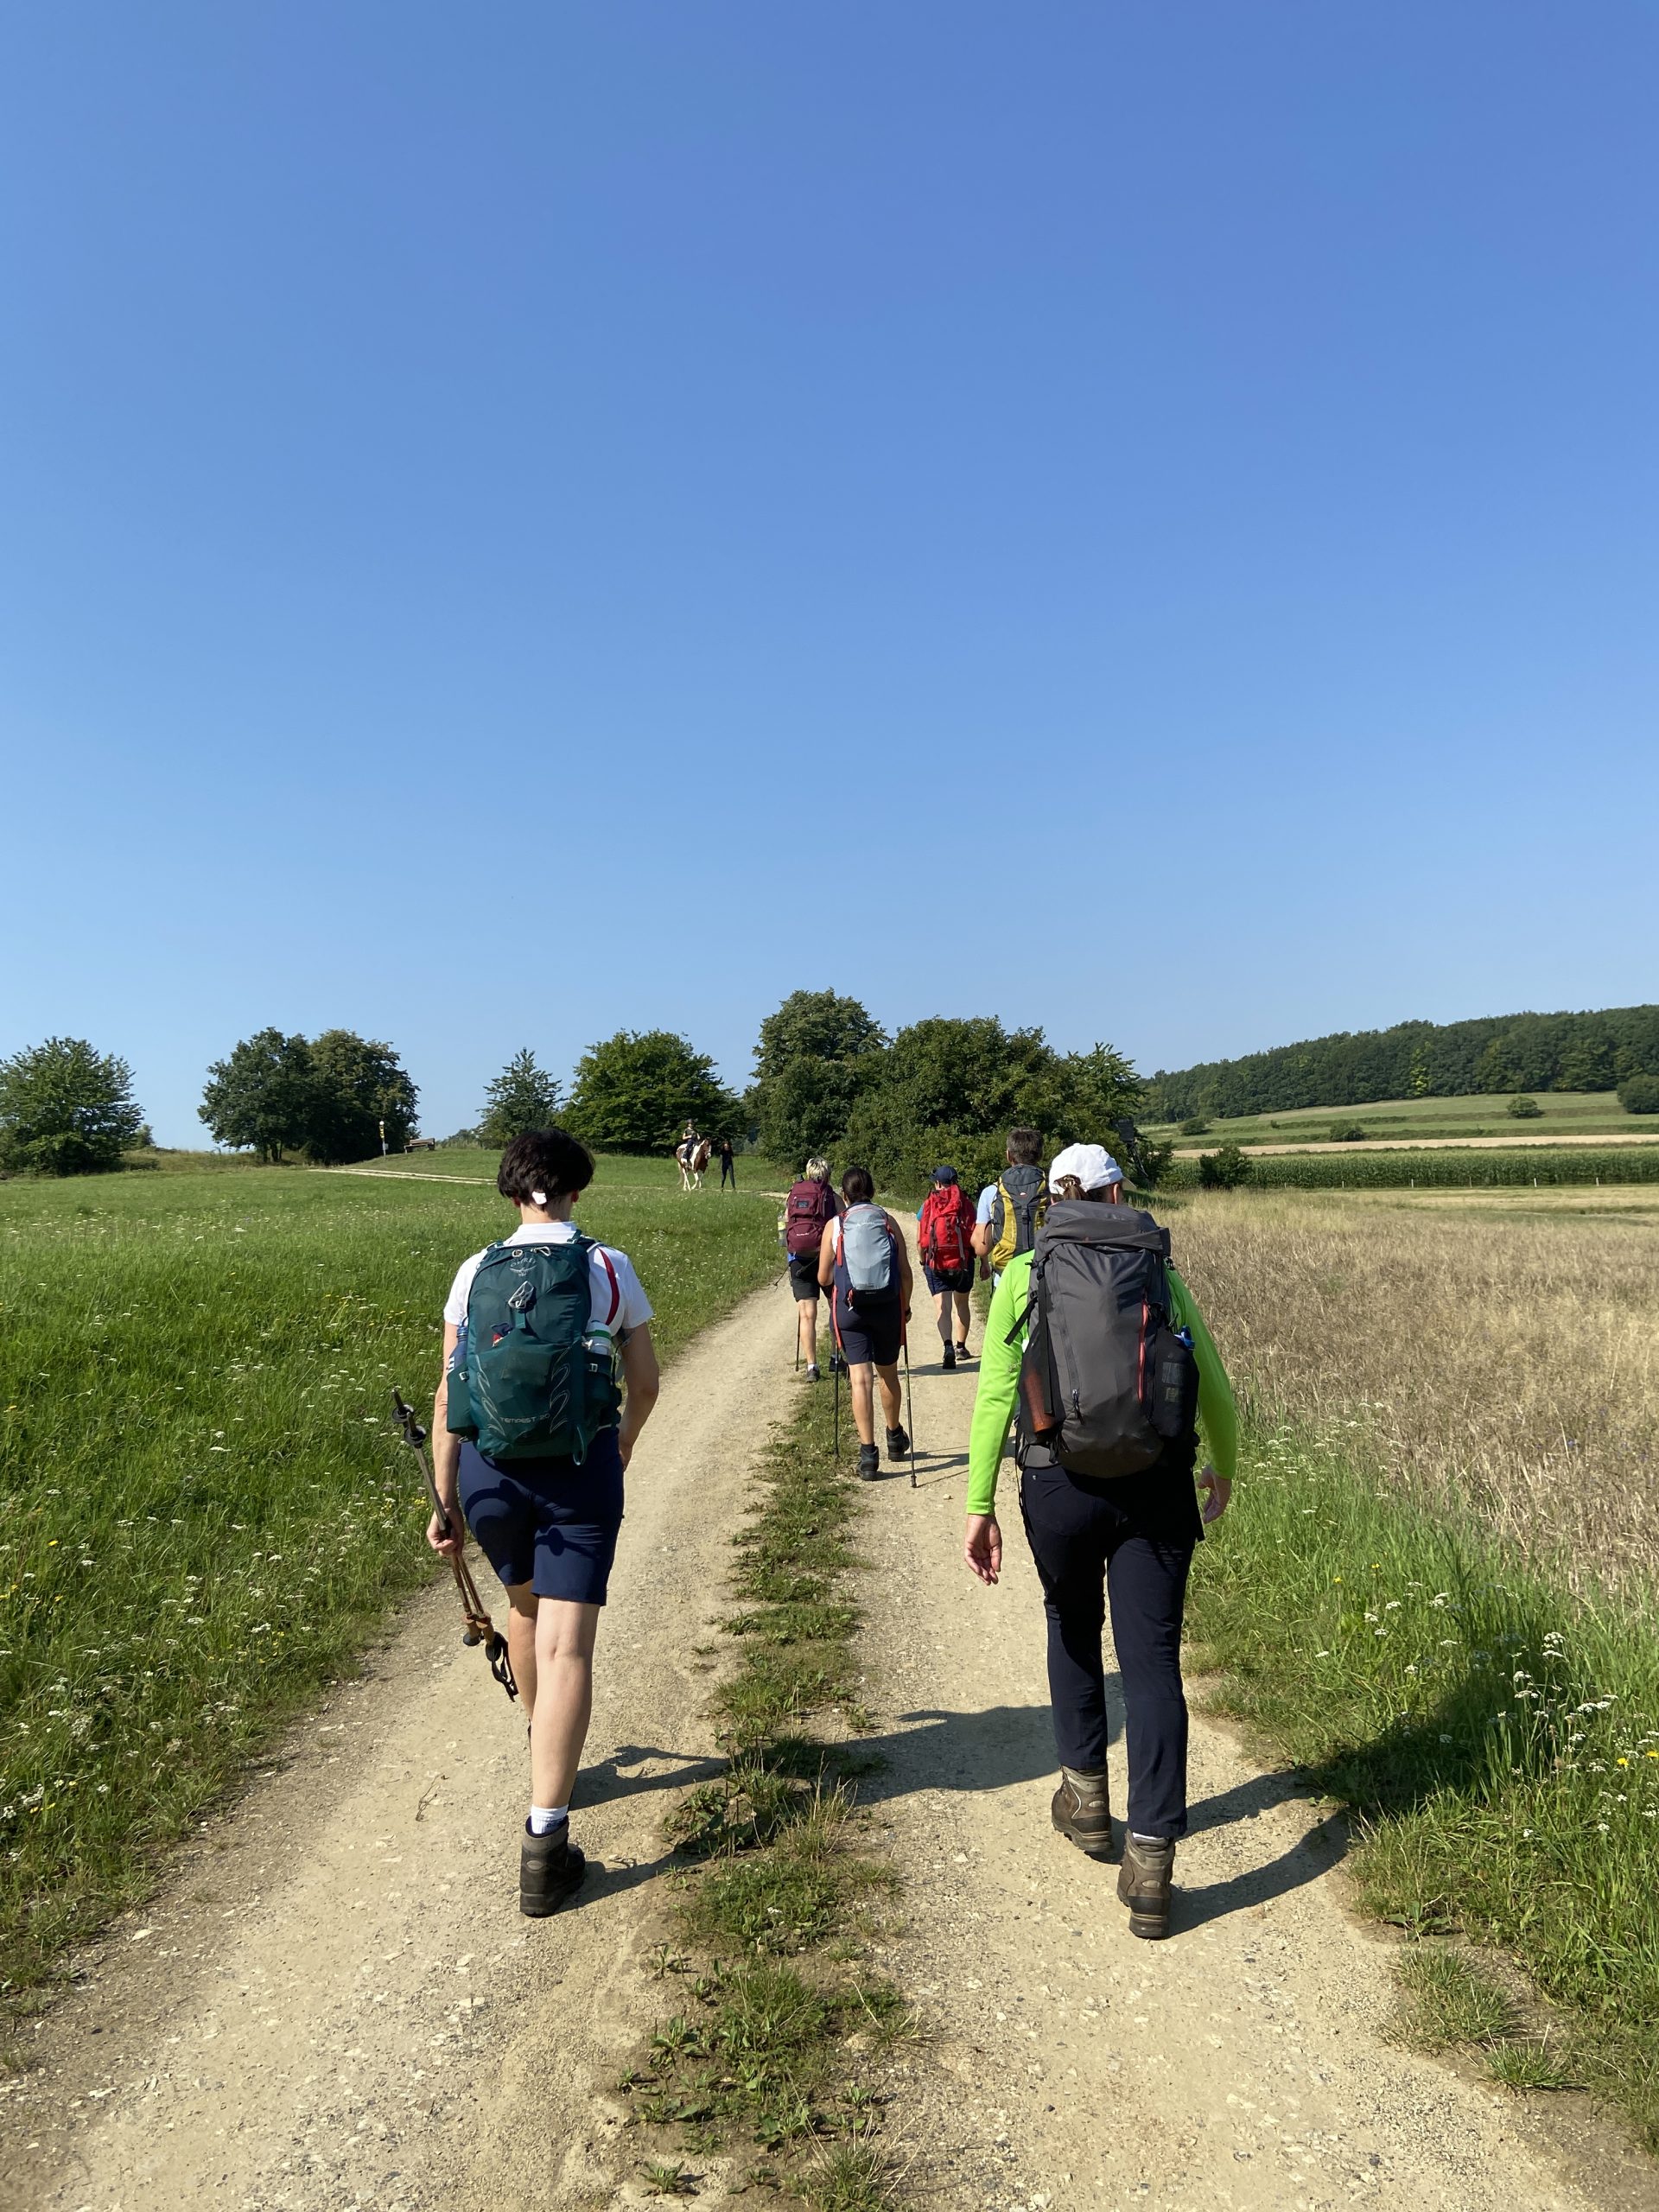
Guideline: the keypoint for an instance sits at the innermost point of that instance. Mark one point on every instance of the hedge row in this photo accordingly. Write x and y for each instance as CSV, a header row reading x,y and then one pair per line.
x,y
1452,1169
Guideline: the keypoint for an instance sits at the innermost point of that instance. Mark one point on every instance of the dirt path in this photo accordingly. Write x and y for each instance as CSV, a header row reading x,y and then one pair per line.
x,y
1239,2064
336,2003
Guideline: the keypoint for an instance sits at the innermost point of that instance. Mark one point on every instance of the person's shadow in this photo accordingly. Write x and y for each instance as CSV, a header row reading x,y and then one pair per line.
x,y
604,1782
1005,1745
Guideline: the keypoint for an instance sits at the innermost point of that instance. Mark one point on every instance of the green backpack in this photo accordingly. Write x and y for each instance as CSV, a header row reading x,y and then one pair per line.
x,y
533,1377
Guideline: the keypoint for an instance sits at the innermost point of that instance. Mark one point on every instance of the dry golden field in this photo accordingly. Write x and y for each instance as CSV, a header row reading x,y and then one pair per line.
x,y
1499,1351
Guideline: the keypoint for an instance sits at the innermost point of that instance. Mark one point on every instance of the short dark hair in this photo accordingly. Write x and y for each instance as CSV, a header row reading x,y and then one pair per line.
x,y
1025,1148
551,1162
858,1187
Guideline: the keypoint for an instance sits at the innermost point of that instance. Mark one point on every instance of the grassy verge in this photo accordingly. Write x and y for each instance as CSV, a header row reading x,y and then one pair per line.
x,y
779,2019
1498,1739
203,1515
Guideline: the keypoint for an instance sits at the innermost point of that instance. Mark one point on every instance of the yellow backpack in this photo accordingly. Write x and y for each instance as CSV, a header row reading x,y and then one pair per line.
x,y
1017,1212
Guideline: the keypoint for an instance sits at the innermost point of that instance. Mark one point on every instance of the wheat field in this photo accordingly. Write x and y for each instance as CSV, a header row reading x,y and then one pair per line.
x,y
1500,1356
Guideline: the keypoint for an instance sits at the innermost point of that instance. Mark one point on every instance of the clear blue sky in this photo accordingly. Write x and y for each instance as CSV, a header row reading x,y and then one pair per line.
x,y
526,520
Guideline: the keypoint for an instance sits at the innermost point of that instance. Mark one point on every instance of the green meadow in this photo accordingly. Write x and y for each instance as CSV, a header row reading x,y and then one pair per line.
x,y
203,1510
1562,1113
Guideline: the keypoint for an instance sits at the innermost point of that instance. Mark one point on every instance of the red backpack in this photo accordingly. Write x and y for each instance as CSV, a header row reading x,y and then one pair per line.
x,y
809,1206
947,1225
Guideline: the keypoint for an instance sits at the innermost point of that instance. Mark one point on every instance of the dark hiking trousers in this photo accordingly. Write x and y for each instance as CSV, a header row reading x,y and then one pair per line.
x,y
1089,1549
727,1173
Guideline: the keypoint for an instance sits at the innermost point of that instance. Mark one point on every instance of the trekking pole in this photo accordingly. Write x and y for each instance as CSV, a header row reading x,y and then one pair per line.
x,y
909,1412
837,1409
479,1628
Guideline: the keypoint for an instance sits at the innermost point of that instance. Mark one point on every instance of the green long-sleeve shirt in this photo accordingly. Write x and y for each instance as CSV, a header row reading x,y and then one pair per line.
x,y
999,1383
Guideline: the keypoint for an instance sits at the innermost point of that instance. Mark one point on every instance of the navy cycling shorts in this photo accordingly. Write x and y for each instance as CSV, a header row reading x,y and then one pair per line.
x,y
548,1522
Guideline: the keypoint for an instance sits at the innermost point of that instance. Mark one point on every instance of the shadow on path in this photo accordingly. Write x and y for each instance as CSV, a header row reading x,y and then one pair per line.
x,y
1006,1745
604,1782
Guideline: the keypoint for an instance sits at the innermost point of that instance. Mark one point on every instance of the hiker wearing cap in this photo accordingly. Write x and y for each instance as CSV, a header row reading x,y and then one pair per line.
x,y
1096,1339
530,1438
945,1237
809,1208
863,1264
1010,1210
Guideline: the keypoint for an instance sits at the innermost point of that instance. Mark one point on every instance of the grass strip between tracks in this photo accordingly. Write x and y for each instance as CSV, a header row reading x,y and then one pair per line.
x,y
780,2024
1497,1737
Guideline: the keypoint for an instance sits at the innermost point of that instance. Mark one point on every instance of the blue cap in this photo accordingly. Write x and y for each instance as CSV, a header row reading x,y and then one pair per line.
x,y
944,1175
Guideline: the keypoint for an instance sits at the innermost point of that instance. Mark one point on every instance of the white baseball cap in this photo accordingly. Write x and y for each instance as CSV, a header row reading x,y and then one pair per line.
x,y
1091,1164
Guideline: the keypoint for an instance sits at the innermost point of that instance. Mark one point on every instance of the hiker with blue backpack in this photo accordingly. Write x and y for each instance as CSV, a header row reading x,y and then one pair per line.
x,y
531,1434
1095,1345
864,1265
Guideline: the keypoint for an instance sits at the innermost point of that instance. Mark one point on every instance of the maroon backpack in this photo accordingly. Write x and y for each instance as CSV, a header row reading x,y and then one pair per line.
x,y
808,1208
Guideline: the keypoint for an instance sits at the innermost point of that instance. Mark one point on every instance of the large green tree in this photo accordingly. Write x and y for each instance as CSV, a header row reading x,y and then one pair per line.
x,y
635,1091
815,1025
260,1098
523,1096
66,1110
325,1098
951,1090
356,1085
817,1056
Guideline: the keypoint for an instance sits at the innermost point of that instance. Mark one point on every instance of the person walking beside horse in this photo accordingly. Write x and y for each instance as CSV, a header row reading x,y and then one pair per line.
x,y
946,1237
1097,1342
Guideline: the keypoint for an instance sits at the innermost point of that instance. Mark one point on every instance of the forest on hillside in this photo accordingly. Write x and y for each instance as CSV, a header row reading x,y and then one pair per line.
x,y
1500,1053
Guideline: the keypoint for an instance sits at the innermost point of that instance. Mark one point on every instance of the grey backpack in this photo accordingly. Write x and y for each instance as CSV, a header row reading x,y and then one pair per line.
x,y
865,1259
1106,1384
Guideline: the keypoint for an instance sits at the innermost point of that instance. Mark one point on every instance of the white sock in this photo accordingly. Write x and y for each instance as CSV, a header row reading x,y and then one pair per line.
x,y
543,1819
1137,1837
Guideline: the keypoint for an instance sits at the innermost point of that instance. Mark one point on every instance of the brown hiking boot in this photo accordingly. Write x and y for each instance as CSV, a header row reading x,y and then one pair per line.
x,y
1083,1811
1143,1884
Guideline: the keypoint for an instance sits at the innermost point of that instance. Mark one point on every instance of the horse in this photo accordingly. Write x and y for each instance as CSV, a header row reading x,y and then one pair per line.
x,y
692,1158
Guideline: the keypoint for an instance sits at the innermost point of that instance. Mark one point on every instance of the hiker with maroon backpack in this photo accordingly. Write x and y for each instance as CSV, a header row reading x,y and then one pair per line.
x,y
809,1208
1096,1344
946,1242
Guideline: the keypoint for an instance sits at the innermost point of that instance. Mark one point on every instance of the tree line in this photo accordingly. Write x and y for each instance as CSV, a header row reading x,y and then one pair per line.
x,y
827,1080
1510,1053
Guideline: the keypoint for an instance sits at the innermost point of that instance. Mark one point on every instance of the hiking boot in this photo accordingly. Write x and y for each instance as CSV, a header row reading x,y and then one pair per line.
x,y
812,1372
869,1463
1143,1884
898,1444
550,1868
1083,1811
949,1359
963,1354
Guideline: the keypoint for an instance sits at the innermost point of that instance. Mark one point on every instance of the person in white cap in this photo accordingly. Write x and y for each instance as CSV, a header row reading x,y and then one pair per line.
x,y
1106,1491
